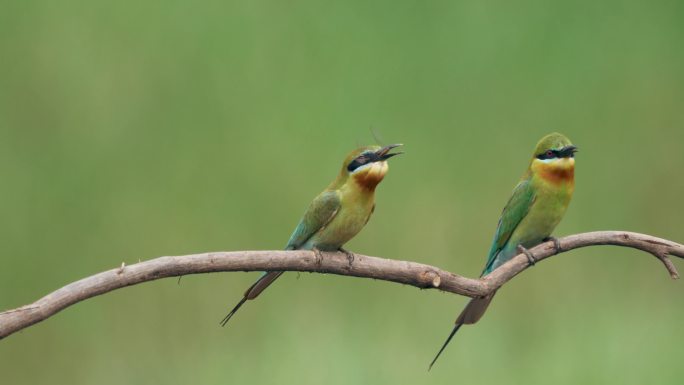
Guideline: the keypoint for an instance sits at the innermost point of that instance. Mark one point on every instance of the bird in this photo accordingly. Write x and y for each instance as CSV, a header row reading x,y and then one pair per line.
x,y
537,205
337,214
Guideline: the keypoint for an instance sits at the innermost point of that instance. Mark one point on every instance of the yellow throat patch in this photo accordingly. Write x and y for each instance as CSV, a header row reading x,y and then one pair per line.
x,y
370,175
555,171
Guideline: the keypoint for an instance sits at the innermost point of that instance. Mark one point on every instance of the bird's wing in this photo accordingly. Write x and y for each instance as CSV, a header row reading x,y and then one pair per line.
x,y
516,209
320,212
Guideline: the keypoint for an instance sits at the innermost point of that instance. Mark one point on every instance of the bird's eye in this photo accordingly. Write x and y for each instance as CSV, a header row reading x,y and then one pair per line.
x,y
549,153
357,162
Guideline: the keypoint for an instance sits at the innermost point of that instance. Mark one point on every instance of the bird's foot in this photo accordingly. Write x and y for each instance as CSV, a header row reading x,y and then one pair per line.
x,y
350,256
556,243
530,258
319,256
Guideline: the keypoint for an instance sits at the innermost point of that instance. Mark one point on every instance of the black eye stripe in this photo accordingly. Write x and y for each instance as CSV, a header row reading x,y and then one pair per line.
x,y
566,152
546,155
353,165
359,161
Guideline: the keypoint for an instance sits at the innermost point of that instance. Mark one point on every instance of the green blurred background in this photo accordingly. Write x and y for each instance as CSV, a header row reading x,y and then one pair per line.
x,y
131,130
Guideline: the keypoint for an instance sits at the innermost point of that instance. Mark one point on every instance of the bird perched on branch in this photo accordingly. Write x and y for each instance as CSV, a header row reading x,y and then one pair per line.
x,y
537,205
337,214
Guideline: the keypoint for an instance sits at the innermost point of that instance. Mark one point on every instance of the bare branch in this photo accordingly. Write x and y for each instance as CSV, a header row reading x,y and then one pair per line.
x,y
405,272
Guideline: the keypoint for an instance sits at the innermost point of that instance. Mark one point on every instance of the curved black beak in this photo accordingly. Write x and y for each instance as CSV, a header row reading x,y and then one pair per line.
x,y
568,151
384,153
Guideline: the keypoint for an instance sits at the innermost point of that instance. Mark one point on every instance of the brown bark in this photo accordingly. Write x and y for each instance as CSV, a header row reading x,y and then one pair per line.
x,y
405,272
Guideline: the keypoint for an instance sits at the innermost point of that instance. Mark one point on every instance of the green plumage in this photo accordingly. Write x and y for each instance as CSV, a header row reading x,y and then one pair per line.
x,y
337,214
320,213
535,208
517,208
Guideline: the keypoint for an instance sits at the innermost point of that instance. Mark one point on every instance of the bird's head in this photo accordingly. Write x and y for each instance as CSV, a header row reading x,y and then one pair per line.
x,y
554,158
366,166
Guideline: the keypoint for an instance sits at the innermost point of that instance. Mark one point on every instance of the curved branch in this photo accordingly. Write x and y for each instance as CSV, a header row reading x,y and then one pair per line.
x,y
405,272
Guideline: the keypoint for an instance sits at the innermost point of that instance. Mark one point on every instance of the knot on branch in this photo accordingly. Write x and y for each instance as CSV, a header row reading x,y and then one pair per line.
x,y
429,279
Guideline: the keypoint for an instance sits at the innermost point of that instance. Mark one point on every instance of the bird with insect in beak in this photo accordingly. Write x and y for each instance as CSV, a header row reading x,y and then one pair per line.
x,y
337,214
536,207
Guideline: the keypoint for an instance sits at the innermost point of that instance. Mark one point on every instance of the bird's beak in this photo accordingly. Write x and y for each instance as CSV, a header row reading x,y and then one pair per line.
x,y
568,151
383,153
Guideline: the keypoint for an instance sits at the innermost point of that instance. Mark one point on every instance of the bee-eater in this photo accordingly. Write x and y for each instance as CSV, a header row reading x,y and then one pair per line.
x,y
337,214
537,205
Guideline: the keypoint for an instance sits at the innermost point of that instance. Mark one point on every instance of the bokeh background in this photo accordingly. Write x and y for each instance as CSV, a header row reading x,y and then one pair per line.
x,y
136,129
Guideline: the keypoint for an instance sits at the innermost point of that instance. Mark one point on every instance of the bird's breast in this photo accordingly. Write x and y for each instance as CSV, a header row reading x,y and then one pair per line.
x,y
549,207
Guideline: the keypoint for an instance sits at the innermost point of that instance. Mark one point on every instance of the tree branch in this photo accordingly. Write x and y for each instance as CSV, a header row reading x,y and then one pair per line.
x,y
405,272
